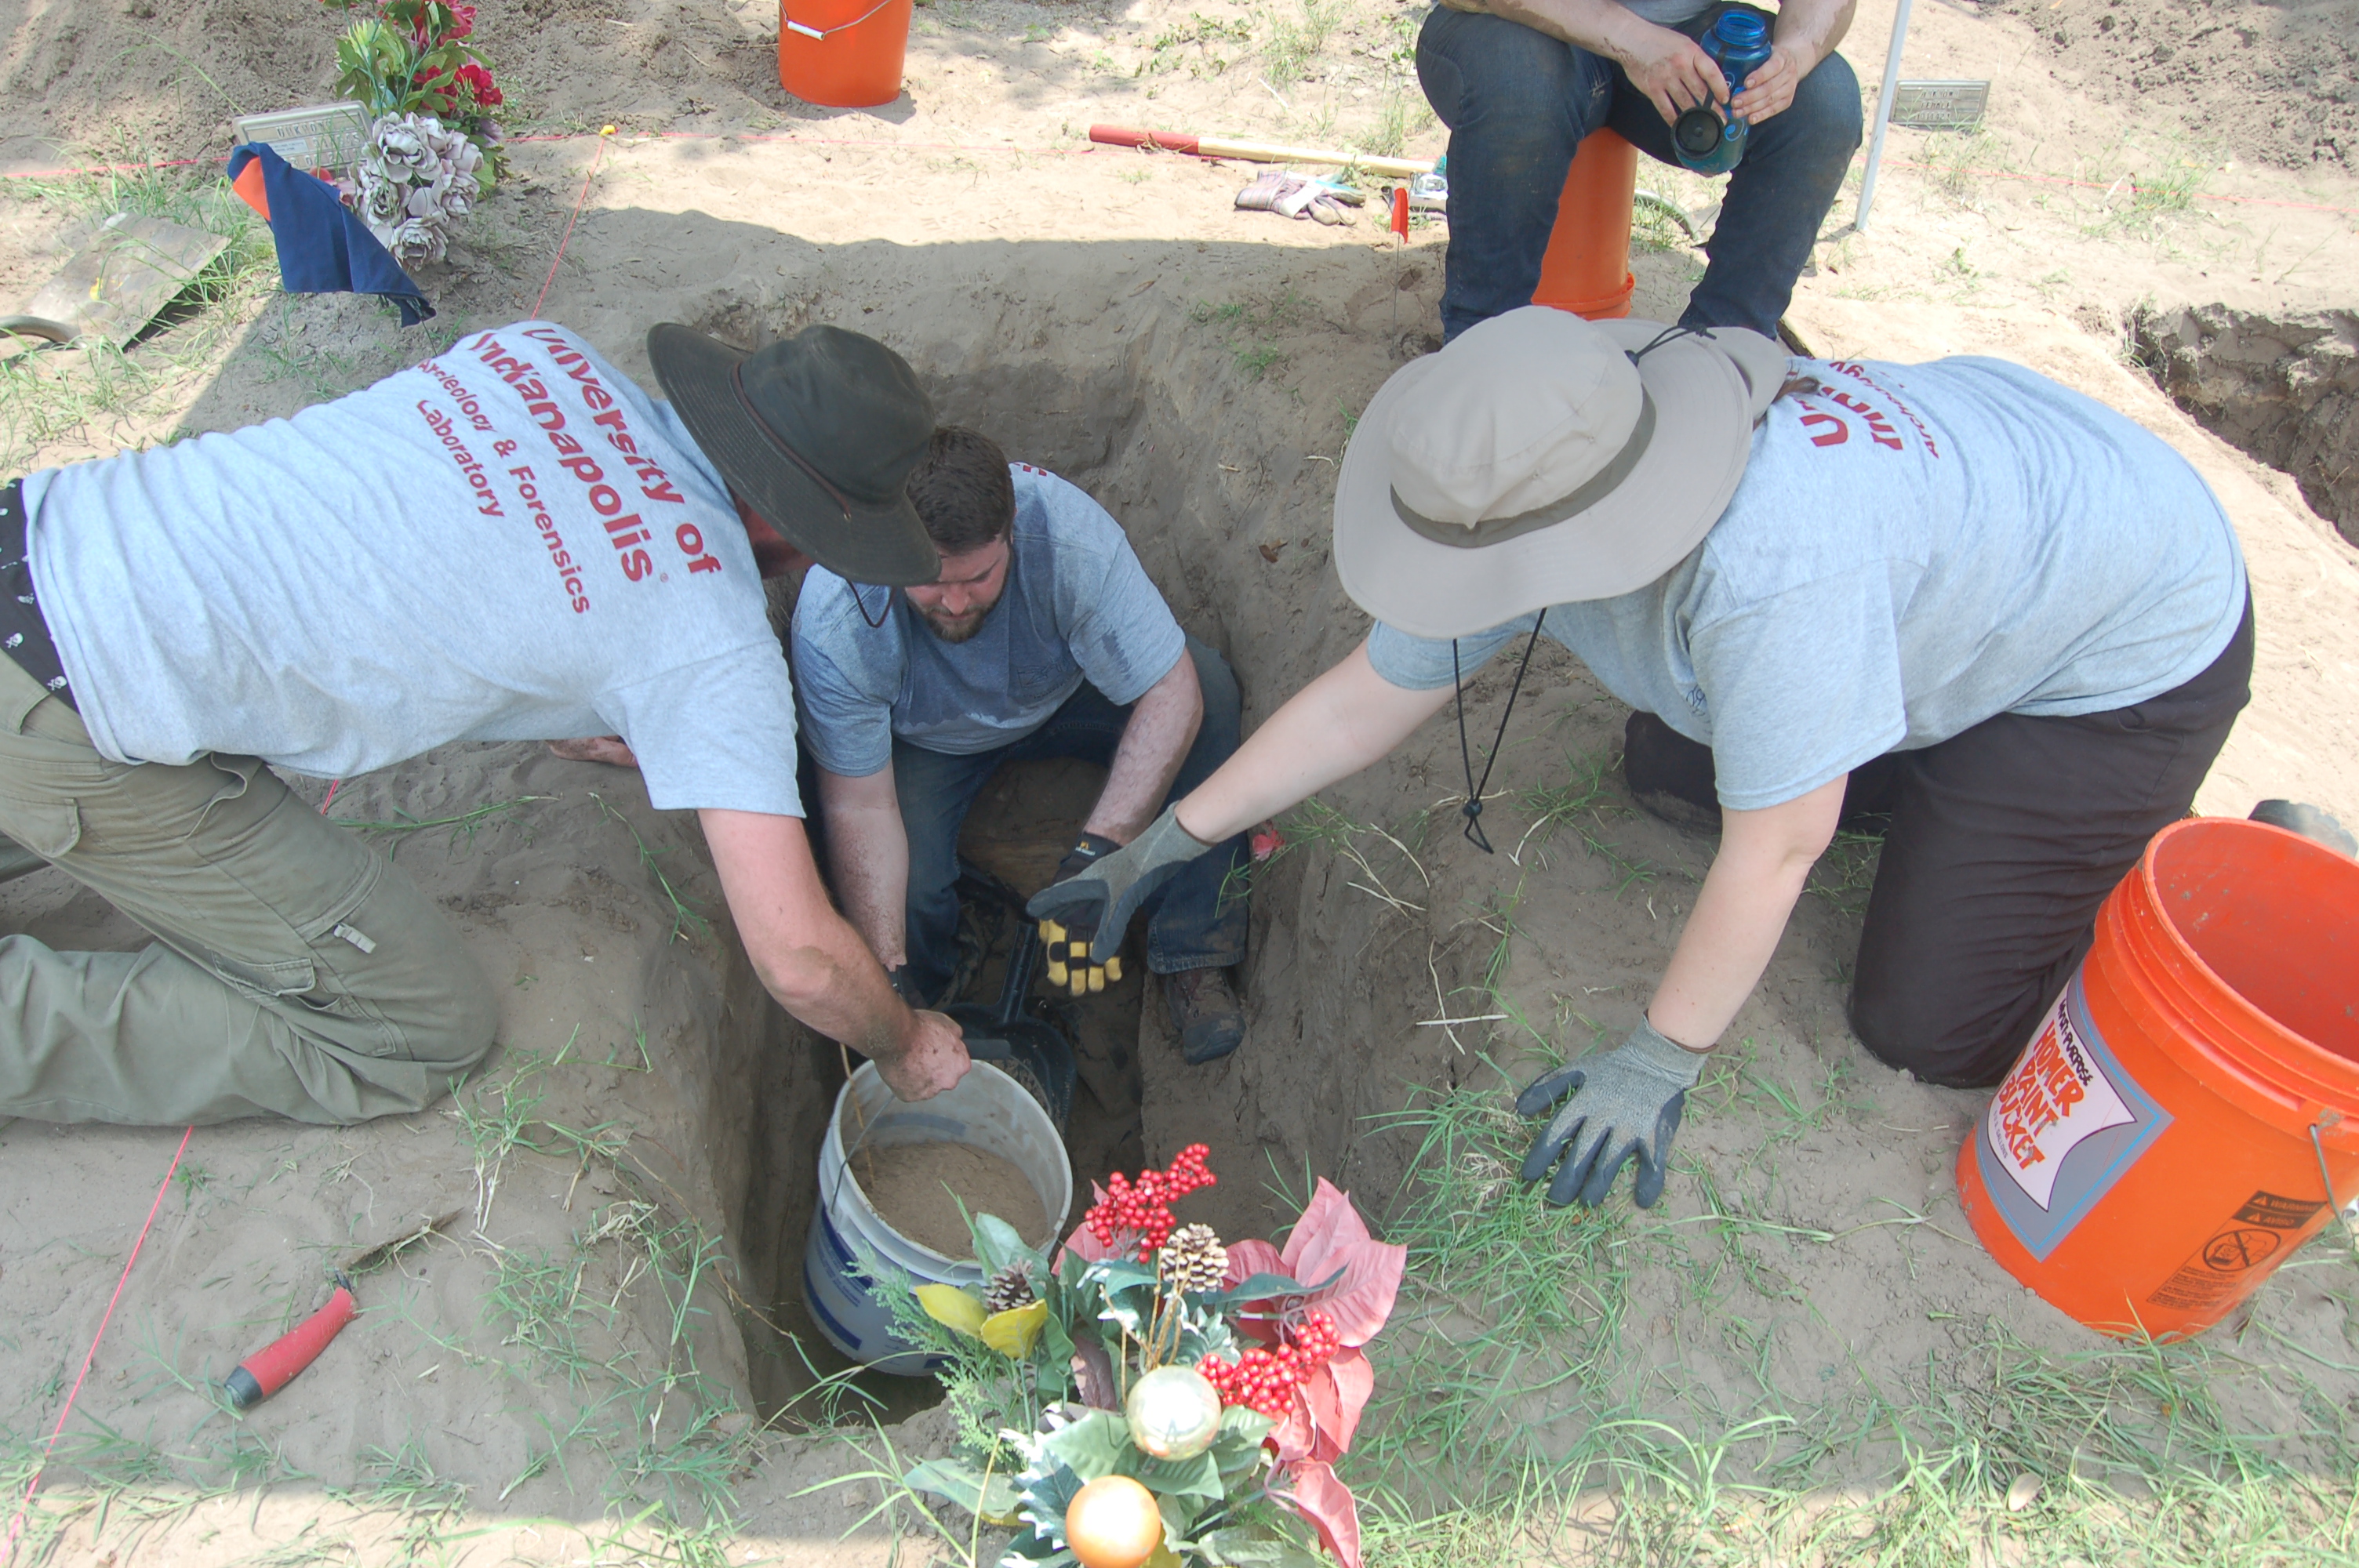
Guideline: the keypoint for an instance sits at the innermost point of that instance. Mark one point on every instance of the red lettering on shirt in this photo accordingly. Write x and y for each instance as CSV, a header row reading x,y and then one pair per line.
x,y
1835,437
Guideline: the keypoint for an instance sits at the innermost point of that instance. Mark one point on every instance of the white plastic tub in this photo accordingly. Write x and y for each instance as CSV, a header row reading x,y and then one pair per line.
x,y
849,1242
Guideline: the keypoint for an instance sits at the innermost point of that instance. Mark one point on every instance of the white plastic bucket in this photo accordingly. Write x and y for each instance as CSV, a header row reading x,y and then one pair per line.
x,y
988,1110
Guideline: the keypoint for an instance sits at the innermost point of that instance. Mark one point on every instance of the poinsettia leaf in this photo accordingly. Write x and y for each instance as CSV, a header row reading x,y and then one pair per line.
x,y
1083,1242
1328,1222
1313,1491
1249,1258
1295,1436
1354,1381
992,1499
1096,1444
1324,1406
1362,1299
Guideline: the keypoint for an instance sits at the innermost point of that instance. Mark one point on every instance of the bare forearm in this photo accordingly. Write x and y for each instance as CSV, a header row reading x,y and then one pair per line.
x,y
868,852
1162,726
1815,24
1340,724
808,957
1601,27
835,982
1765,857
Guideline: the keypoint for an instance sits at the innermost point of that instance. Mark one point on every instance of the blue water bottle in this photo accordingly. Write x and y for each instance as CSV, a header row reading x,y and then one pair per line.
x,y
1738,43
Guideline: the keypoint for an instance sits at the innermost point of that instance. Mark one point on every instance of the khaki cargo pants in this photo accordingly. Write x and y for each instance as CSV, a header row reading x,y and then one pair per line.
x,y
295,973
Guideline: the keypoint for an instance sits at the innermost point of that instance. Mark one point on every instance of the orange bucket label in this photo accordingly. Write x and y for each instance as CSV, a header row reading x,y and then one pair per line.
x,y
2065,1124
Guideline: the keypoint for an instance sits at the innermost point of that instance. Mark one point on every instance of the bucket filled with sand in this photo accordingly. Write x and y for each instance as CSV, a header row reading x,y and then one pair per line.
x,y
893,1177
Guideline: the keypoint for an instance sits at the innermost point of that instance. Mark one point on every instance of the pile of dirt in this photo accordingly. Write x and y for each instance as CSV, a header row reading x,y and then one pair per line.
x,y
2276,80
2285,389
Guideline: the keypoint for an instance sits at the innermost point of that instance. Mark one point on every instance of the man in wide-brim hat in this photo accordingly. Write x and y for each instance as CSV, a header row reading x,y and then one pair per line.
x,y
1995,615
510,541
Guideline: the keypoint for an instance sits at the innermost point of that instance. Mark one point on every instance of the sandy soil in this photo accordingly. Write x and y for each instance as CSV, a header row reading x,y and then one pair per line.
x,y
632,1169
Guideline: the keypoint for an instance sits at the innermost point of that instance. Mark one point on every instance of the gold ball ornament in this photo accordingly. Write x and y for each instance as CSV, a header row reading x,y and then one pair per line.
x,y
1174,1413
1112,1522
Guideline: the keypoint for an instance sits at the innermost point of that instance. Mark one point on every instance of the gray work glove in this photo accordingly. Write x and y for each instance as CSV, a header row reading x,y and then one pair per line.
x,y
1627,1105
1086,914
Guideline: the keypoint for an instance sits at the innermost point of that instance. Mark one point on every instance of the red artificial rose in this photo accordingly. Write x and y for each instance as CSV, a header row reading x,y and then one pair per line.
x,y
463,21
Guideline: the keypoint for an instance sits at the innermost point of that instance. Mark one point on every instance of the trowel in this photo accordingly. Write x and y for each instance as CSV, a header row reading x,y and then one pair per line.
x,y
114,285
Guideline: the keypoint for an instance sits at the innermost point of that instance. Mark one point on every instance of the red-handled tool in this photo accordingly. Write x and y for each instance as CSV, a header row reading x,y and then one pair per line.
x,y
261,1375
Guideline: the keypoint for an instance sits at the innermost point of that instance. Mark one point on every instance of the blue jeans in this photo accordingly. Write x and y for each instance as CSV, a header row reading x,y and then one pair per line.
x,y
1191,926
1517,102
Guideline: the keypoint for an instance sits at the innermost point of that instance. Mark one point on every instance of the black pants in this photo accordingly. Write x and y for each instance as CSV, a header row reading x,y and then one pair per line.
x,y
2001,843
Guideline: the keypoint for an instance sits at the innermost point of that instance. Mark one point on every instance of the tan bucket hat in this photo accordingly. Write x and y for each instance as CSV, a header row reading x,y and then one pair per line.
x,y
1540,459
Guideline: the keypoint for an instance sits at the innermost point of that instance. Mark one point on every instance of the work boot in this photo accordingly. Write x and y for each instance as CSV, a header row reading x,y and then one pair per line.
x,y
1669,775
1205,1011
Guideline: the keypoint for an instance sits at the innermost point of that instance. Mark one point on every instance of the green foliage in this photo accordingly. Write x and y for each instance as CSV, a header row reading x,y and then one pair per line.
x,y
411,57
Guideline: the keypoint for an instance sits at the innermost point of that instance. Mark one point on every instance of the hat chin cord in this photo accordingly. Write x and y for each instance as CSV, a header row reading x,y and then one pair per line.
x,y
1473,809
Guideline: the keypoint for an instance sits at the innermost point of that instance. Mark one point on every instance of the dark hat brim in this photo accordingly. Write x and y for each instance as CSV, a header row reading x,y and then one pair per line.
x,y
884,544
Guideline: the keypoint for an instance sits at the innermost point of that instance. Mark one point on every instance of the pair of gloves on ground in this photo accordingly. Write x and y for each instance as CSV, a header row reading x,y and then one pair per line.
x,y
1618,1106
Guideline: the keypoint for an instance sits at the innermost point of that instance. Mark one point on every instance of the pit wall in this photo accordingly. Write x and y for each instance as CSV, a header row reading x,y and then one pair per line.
x,y
1199,393
2283,390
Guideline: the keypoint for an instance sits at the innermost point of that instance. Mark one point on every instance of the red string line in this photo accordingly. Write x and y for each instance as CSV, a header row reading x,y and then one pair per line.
x,y
16,1524
2134,189
1085,152
570,221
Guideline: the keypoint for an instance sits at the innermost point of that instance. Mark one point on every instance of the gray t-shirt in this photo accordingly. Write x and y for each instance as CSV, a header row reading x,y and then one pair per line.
x,y
508,542
1077,606
1668,13
1913,549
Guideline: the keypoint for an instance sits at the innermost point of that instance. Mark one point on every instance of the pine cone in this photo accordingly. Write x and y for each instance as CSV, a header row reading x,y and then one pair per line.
x,y
1009,1288
1194,1259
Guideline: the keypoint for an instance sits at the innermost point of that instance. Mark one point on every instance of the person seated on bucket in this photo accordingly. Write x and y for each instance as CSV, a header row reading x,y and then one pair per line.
x,y
509,541
1521,82
2017,615
1041,637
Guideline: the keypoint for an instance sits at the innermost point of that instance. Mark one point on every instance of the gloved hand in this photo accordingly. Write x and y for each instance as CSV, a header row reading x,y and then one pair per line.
x,y
1297,196
1084,912
1069,960
1625,1105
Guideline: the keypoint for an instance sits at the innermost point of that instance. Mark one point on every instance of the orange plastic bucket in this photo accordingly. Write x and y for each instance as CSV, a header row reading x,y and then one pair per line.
x,y
842,54
2150,1158
1587,267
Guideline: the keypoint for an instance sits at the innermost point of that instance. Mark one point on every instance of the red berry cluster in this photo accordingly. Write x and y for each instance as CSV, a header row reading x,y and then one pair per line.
x,y
1141,1211
1264,1380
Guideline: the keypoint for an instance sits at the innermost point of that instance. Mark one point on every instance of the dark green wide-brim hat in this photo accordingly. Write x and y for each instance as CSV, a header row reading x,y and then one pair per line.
x,y
818,433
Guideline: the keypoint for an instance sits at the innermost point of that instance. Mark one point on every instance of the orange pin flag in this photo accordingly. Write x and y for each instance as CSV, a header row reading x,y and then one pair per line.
x,y
1400,211
248,185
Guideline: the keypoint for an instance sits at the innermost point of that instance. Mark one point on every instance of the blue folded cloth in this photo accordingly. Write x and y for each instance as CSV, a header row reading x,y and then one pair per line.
x,y
323,248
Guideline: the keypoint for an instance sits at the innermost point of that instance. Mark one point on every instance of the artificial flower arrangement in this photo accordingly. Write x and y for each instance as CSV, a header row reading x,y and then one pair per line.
x,y
1149,1396
433,148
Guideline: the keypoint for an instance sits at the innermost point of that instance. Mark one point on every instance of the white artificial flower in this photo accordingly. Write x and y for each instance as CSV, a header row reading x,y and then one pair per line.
x,y
383,201
416,240
401,143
